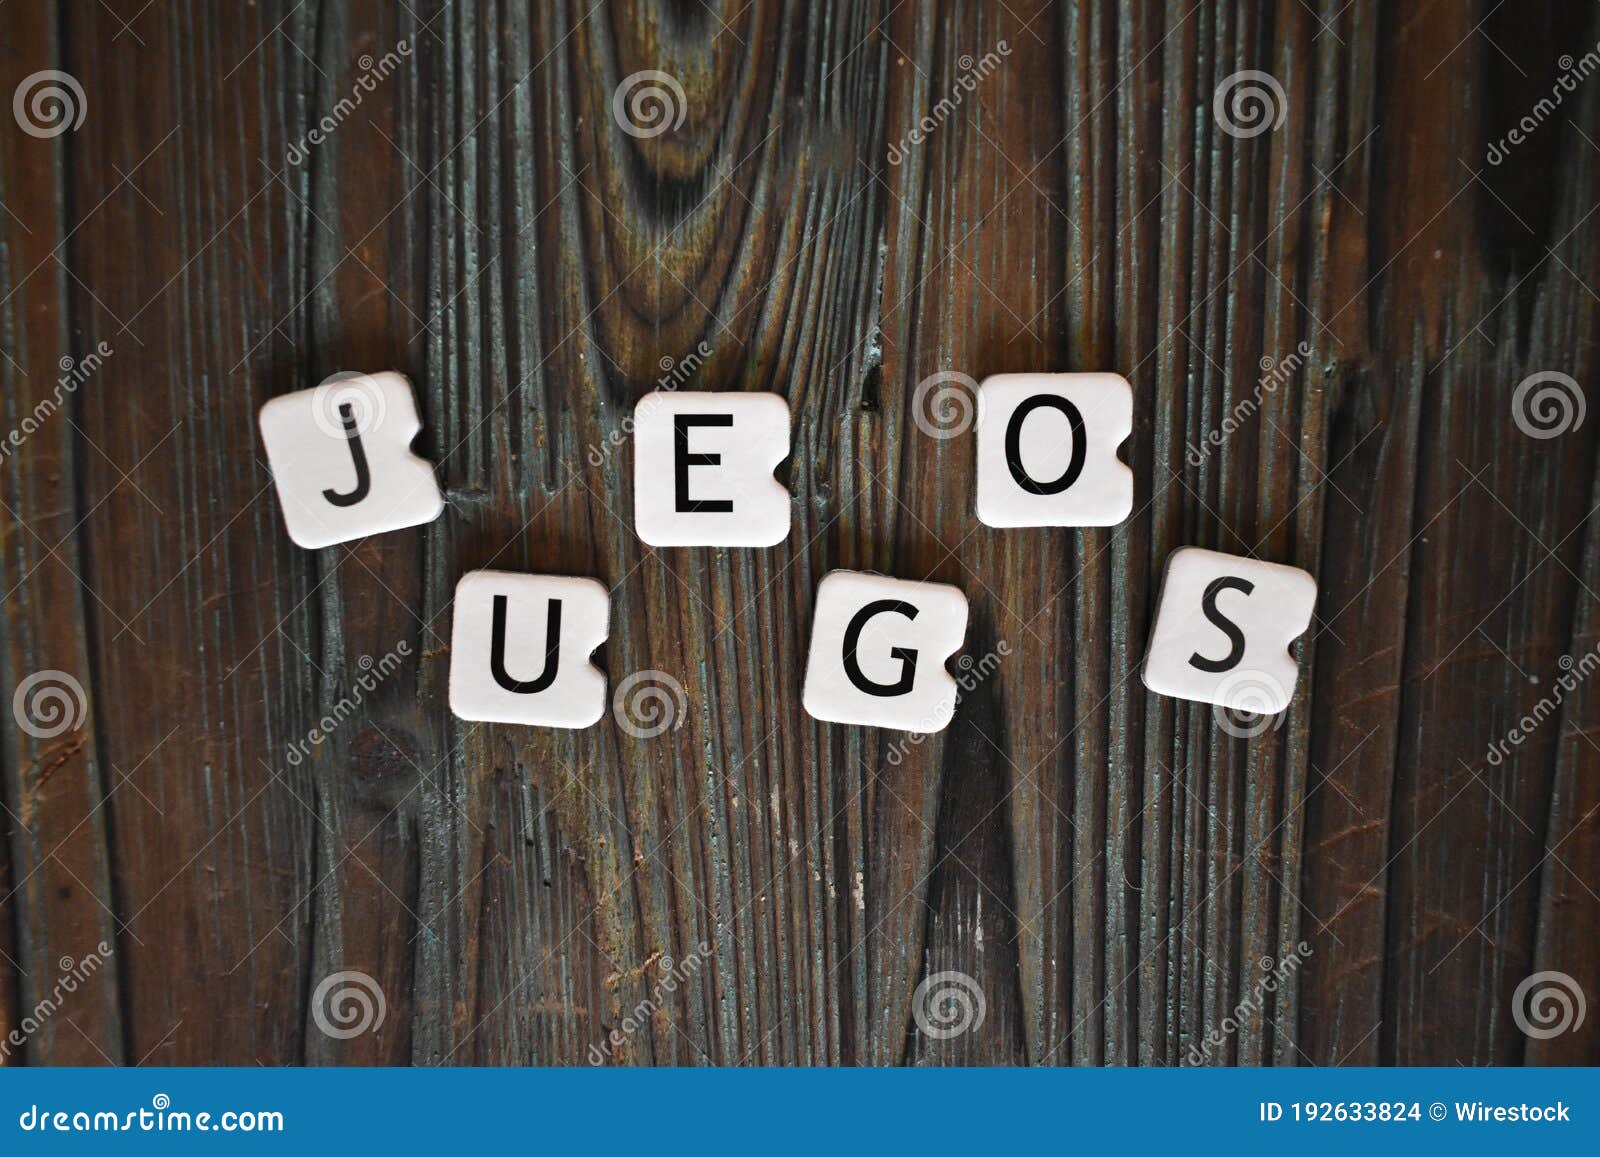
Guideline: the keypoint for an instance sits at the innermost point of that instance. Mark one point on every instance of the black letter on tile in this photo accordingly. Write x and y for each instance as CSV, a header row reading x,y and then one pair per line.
x,y
359,454
552,650
1208,603
1014,443
682,460
852,642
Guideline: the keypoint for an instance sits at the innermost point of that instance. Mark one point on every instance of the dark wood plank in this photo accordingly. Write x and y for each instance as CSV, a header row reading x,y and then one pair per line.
x,y
1478,637
62,898
1427,861
202,617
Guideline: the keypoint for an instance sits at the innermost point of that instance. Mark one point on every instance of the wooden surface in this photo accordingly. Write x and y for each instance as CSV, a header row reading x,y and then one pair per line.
x,y
1108,866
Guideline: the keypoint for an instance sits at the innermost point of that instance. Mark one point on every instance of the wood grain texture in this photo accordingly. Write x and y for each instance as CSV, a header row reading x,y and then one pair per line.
x,y
846,199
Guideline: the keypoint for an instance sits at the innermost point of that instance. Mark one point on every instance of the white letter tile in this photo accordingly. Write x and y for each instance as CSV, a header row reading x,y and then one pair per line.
x,y
1223,628
341,458
878,650
520,647
1047,450
703,466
